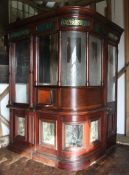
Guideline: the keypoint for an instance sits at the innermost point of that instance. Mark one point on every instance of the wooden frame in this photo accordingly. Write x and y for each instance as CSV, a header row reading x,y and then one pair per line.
x,y
41,134
126,22
64,105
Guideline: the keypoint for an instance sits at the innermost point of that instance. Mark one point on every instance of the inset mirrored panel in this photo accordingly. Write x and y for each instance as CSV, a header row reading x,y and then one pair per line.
x,y
48,60
73,135
111,73
47,133
95,56
21,126
22,70
73,65
94,131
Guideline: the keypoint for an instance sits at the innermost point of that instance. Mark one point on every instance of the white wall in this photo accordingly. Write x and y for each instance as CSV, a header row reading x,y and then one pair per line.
x,y
118,18
100,7
4,111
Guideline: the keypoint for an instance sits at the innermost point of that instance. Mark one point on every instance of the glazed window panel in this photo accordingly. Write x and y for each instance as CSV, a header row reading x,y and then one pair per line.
x,y
21,126
94,131
111,73
47,133
22,69
73,135
95,50
73,64
48,60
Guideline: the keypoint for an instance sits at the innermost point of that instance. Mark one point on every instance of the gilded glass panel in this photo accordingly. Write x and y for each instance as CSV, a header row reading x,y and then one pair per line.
x,y
21,126
74,135
48,133
94,131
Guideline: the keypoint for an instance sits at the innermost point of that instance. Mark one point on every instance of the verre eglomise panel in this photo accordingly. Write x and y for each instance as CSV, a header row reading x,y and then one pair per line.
x,y
22,69
48,60
94,131
111,73
21,126
73,58
95,57
47,133
73,135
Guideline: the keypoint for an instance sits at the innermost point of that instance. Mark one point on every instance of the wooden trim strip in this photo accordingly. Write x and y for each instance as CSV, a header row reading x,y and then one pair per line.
x,y
4,93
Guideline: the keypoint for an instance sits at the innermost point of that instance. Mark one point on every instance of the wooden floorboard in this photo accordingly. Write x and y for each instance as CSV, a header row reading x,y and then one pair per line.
x,y
115,163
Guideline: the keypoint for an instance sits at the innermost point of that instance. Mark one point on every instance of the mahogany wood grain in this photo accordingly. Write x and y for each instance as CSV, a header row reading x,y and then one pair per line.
x,y
63,105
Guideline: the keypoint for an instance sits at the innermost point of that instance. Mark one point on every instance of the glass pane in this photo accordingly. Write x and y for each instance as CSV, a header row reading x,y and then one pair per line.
x,y
94,61
26,8
47,133
21,126
31,11
22,68
111,73
20,5
73,59
73,135
48,59
14,4
94,131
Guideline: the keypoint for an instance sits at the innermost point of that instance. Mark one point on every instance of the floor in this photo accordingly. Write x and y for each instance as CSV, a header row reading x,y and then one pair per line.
x,y
117,163
122,139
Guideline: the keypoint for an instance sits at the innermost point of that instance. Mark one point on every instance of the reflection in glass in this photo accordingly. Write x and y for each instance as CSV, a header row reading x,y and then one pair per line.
x,y
73,58
111,73
47,133
94,131
94,61
73,135
22,69
21,126
48,59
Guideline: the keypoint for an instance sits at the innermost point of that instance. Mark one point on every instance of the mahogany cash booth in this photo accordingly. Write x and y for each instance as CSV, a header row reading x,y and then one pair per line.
x,y
63,86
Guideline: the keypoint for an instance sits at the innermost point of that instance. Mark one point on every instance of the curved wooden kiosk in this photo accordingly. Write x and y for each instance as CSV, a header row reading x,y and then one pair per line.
x,y
63,86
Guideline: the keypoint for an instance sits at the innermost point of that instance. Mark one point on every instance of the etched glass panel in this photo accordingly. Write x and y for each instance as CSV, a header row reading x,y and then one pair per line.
x,y
48,60
73,58
94,61
48,133
94,131
74,135
111,73
21,126
22,69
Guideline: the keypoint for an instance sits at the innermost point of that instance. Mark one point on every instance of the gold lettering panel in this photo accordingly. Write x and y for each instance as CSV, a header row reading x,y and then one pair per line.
x,y
75,22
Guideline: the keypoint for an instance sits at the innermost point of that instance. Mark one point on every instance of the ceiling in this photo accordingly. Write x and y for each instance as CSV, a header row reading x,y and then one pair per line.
x,y
41,5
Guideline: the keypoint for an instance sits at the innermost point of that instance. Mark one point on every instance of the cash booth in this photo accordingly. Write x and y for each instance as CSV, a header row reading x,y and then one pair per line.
x,y
63,86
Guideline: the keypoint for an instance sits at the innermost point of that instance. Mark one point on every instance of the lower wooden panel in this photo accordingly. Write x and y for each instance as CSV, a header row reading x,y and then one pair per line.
x,y
71,142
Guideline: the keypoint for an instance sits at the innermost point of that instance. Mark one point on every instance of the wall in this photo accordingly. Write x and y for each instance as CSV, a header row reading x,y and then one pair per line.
x,y
4,95
118,18
3,15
